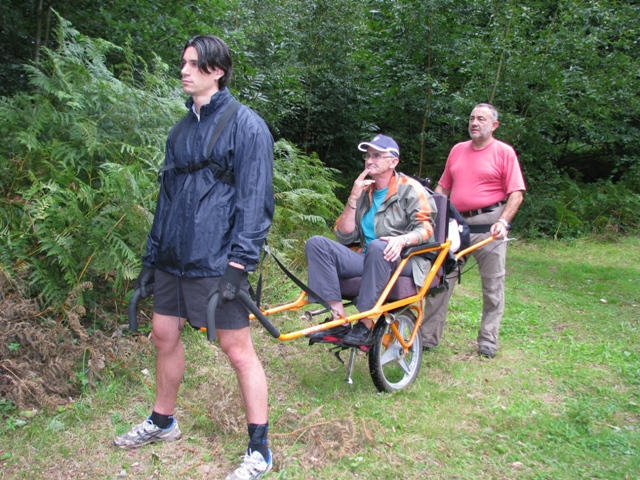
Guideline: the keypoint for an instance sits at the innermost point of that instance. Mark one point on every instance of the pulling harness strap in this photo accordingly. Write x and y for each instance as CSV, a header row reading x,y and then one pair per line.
x,y
305,288
219,173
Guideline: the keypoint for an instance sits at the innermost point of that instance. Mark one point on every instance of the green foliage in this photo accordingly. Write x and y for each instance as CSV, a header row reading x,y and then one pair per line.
x,y
77,169
304,191
326,74
560,207
85,135
78,172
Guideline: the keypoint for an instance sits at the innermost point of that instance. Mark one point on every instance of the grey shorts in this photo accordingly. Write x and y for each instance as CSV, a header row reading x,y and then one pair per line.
x,y
187,298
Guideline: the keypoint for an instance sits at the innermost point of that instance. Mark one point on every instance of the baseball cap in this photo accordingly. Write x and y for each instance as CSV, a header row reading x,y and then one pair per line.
x,y
381,143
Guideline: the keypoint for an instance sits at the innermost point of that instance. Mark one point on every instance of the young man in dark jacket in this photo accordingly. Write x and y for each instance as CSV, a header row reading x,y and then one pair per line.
x,y
212,217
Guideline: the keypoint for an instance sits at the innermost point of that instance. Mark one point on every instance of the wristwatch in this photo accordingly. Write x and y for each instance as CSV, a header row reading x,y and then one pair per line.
x,y
506,224
406,241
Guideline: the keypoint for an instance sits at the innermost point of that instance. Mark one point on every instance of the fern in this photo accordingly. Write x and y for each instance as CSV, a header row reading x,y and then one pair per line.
x,y
78,171
78,167
305,201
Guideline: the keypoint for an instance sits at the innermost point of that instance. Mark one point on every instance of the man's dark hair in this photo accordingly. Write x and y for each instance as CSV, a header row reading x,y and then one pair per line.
x,y
212,52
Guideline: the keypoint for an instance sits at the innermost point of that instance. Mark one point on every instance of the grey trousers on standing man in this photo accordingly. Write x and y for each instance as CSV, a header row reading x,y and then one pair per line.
x,y
491,263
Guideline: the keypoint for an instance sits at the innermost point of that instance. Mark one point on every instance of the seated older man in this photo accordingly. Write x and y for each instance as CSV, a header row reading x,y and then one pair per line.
x,y
386,212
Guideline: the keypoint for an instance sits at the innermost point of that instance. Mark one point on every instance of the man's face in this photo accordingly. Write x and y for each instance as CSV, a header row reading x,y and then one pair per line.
x,y
481,124
194,81
379,162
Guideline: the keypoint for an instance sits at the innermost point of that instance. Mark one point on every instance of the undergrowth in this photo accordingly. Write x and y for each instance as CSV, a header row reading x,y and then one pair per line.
x,y
560,400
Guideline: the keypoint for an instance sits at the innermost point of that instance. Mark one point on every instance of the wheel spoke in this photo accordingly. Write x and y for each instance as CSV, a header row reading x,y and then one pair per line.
x,y
390,354
402,363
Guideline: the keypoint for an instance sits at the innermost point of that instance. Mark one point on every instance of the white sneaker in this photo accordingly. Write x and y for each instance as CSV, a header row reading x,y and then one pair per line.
x,y
147,432
253,466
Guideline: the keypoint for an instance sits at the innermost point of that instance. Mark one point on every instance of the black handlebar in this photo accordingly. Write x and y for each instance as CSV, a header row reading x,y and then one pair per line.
x,y
248,303
253,308
211,314
133,310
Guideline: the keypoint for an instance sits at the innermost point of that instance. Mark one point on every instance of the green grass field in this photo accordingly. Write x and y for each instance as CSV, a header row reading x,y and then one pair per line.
x,y
561,400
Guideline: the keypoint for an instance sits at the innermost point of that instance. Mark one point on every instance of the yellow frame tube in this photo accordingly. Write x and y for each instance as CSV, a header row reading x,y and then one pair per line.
x,y
380,308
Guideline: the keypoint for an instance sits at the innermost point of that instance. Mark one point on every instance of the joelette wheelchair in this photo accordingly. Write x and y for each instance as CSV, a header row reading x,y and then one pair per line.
x,y
396,352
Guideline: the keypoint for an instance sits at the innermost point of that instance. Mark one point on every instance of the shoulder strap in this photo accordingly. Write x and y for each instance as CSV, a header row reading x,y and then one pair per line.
x,y
232,108
221,174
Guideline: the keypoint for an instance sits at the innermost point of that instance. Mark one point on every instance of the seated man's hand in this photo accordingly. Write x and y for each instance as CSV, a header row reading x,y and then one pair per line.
x,y
394,248
360,185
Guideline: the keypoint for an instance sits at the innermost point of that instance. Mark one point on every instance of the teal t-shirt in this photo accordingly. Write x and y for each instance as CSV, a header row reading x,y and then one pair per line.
x,y
367,219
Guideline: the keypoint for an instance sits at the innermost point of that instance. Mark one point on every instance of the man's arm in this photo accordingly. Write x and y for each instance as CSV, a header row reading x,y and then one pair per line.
x,y
420,228
514,200
254,201
346,223
149,257
499,229
440,189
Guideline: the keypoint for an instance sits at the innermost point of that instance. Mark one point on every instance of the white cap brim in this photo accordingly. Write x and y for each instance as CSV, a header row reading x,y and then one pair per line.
x,y
364,145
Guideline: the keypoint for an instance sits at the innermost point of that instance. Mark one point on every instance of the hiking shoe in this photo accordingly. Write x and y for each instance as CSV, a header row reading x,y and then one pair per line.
x,y
359,335
331,334
252,466
147,432
487,352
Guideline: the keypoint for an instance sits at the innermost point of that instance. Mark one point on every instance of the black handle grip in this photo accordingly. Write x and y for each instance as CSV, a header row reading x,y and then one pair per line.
x,y
211,316
247,302
253,308
133,310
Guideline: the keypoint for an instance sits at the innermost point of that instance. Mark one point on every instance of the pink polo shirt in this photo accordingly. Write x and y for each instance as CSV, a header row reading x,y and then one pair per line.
x,y
479,178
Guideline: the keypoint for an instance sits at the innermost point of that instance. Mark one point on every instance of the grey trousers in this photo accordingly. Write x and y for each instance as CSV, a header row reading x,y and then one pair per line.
x,y
491,263
329,261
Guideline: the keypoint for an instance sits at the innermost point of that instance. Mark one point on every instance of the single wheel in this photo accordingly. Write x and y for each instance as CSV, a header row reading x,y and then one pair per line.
x,y
391,369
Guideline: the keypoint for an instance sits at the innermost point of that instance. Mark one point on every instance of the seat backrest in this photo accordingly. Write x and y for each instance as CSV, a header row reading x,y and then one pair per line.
x,y
442,218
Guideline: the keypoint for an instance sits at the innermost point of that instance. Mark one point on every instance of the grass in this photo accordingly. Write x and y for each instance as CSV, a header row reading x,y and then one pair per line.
x,y
561,400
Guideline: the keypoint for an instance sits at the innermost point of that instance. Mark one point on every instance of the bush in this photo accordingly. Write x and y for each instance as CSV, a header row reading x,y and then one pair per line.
x,y
78,167
565,208
78,174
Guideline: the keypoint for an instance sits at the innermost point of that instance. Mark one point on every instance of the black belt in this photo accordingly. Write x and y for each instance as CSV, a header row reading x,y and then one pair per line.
x,y
490,208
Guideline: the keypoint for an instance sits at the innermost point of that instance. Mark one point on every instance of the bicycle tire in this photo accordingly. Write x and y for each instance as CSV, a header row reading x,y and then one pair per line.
x,y
390,368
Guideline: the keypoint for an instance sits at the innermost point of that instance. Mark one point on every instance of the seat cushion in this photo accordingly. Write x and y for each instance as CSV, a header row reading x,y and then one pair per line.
x,y
404,287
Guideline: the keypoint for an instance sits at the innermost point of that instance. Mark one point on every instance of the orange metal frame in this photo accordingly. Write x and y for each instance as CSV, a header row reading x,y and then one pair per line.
x,y
381,308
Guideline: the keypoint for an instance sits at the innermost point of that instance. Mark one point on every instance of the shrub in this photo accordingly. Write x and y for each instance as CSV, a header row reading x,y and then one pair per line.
x,y
566,208
78,173
78,167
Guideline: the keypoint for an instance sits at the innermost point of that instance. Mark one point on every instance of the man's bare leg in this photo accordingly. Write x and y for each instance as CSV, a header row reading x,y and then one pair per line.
x,y
170,361
237,345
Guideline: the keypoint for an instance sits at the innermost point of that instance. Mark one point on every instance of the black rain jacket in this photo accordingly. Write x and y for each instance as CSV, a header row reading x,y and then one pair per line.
x,y
201,224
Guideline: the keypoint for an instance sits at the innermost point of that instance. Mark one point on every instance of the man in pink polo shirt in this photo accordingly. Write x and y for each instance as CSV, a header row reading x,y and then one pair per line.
x,y
482,178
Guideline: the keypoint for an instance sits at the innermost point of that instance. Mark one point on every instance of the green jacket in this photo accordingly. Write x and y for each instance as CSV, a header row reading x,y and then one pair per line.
x,y
407,208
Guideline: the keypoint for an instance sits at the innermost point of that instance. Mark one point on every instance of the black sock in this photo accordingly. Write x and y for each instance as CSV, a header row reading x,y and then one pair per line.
x,y
161,421
258,439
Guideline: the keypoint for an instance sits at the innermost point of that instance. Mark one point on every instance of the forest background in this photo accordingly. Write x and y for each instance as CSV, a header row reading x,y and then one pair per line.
x,y
90,91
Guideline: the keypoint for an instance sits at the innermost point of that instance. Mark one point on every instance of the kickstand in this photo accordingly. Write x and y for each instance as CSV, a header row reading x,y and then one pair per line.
x,y
352,359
